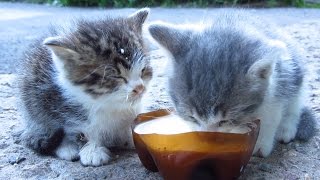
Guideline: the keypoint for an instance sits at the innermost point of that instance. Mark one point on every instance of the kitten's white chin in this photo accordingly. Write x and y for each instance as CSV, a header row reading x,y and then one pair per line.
x,y
137,99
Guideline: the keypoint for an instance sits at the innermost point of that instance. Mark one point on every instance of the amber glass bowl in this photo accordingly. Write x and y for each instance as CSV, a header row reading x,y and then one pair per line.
x,y
194,155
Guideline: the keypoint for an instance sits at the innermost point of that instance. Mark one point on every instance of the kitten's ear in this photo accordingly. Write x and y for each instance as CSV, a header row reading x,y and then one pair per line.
x,y
263,68
60,49
139,17
170,37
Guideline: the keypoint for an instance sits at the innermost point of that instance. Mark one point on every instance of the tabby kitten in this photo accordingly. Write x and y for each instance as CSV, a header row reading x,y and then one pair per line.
x,y
234,69
81,88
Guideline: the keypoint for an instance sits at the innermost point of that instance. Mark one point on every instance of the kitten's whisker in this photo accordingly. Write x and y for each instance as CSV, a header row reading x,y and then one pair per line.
x,y
127,97
91,73
132,110
104,74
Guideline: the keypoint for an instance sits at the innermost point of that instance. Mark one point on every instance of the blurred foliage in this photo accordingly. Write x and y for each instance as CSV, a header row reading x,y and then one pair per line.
x,y
174,3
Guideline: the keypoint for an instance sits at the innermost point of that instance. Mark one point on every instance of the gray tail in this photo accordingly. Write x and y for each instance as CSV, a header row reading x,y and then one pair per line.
x,y
307,126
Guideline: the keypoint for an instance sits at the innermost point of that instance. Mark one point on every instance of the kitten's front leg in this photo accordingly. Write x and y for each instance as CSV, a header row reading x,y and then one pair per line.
x,y
125,140
270,114
94,154
290,120
128,141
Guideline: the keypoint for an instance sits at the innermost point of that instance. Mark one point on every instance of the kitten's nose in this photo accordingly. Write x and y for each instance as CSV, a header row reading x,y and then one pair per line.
x,y
138,89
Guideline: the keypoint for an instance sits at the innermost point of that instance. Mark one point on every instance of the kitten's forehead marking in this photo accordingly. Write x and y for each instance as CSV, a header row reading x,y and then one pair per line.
x,y
103,43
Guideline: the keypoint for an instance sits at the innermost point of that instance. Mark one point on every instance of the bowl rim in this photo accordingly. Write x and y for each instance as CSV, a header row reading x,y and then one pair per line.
x,y
167,111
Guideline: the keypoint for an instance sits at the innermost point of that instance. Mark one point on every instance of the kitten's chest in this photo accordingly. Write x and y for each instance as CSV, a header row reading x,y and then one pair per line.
x,y
118,116
111,120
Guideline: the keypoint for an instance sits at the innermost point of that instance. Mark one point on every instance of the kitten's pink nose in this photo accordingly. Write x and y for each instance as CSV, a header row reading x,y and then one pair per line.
x,y
138,89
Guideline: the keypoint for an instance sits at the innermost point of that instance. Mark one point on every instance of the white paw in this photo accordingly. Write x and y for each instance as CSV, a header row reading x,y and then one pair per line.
x,y
93,155
286,134
263,150
68,152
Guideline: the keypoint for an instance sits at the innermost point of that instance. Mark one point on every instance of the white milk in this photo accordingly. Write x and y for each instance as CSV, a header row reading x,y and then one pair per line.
x,y
173,124
168,125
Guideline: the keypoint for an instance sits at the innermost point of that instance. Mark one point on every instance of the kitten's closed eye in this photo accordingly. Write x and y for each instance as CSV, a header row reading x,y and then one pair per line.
x,y
223,122
250,109
120,78
194,120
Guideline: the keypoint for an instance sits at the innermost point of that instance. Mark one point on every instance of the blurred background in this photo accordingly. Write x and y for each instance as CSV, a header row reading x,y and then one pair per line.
x,y
177,3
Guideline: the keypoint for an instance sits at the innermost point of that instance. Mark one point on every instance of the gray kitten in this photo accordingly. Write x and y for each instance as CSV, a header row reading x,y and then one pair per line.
x,y
234,69
81,88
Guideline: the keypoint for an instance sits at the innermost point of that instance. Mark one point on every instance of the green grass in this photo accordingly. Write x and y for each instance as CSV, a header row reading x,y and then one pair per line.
x,y
312,5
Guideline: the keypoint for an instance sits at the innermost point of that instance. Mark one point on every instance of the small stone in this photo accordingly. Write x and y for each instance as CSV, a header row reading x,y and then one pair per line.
x,y
3,145
307,177
16,159
17,141
300,149
313,95
290,176
21,160
265,167
6,84
292,153
284,165
316,56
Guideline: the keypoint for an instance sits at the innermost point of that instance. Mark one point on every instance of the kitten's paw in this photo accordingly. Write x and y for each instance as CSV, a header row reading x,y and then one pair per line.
x,y
262,150
93,155
286,134
68,152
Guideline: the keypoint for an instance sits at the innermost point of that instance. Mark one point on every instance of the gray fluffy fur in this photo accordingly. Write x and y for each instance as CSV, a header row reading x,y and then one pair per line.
x,y
211,68
306,127
51,116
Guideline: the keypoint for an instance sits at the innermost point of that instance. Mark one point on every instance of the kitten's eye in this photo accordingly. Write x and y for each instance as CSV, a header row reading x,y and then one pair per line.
x,y
119,77
250,108
124,79
224,113
194,119
222,122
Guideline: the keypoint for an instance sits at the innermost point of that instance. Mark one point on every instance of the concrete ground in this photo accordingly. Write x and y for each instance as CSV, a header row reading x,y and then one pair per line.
x,y
20,24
